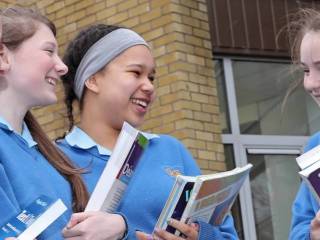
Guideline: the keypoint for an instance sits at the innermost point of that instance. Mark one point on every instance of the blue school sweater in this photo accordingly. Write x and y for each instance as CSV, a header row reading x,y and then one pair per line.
x,y
151,184
25,175
305,206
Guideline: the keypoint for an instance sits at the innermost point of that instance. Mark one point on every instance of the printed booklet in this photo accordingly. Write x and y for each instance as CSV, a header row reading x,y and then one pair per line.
x,y
309,163
34,219
119,169
205,197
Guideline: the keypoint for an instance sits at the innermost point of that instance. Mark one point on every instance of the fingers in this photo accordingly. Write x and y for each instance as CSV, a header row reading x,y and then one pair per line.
x,y
143,236
77,218
190,231
315,226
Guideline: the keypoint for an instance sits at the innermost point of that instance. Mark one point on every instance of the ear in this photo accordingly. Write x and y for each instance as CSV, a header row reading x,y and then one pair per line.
x,y
92,84
4,59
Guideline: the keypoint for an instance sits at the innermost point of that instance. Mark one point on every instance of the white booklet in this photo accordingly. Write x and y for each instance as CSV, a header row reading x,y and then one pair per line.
x,y
119,169
205,197
309,162
34,219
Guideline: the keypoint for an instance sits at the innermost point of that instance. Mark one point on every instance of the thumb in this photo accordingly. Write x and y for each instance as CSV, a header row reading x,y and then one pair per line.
x,y
77,218
143,236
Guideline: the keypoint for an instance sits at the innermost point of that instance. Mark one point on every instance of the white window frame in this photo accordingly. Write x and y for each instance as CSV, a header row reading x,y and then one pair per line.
x,y
260,144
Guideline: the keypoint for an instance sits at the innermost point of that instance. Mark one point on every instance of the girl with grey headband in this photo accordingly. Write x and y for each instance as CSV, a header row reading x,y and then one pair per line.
x,y
111,74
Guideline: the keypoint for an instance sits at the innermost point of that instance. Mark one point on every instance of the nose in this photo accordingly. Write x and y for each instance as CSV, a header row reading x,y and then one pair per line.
x,y
311,81
61,68
147,86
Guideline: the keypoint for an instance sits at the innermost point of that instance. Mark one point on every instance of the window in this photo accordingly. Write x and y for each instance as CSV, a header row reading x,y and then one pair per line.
x,y
257,130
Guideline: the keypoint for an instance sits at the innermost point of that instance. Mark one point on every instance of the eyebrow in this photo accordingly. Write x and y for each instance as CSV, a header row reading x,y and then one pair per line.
x,y
141,66
51,43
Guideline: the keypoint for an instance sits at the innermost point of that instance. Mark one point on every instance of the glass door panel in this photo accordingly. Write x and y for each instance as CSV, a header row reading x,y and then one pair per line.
x,y
274,182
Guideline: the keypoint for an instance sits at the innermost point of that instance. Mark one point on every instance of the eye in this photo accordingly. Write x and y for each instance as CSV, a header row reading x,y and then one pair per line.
x,y
306,71
136,73
49,51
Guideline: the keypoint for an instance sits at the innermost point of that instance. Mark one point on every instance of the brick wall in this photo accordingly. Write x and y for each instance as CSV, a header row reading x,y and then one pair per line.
x,y
178,31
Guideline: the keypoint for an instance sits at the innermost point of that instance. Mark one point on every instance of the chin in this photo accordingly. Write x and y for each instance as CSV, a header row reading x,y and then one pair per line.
x,y
47,101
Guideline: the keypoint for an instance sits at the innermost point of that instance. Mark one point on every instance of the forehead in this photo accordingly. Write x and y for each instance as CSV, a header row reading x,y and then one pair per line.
x,y
42,35
138,53
310,47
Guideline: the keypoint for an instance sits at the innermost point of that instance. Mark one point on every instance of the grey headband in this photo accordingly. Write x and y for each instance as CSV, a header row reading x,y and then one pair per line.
x,y
103,52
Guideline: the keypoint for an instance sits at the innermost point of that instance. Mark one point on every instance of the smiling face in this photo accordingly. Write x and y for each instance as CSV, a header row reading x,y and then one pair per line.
x,y
34,69
125,87
310,61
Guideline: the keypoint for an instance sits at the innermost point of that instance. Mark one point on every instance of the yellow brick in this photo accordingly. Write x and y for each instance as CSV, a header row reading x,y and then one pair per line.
x,y
152,123
86,21
65,11
207,44
203,164
70,28
180,134
187,123
182,47
44,3
196,41
207,136
171,57
153,34
160,110
217,166
162,71
142,28
195,59
204,71
110,3
201,33
197,78
158,52
68,2
195,143
95,8
119,17
203,52
204,26
176,8
54,7
209,108
45,119
201,98
190,3
73,18
199,15
165,129
188,67
157,4
105,13
60,23
178,27
179,85
206,90
83,4
201,116
183,104
169,98
161,21
163,90
140,9
154,13
208,155
128,4
191,21
131,23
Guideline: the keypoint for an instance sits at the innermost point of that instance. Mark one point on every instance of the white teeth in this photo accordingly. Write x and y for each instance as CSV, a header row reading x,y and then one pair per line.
x,y
51,81
140,102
